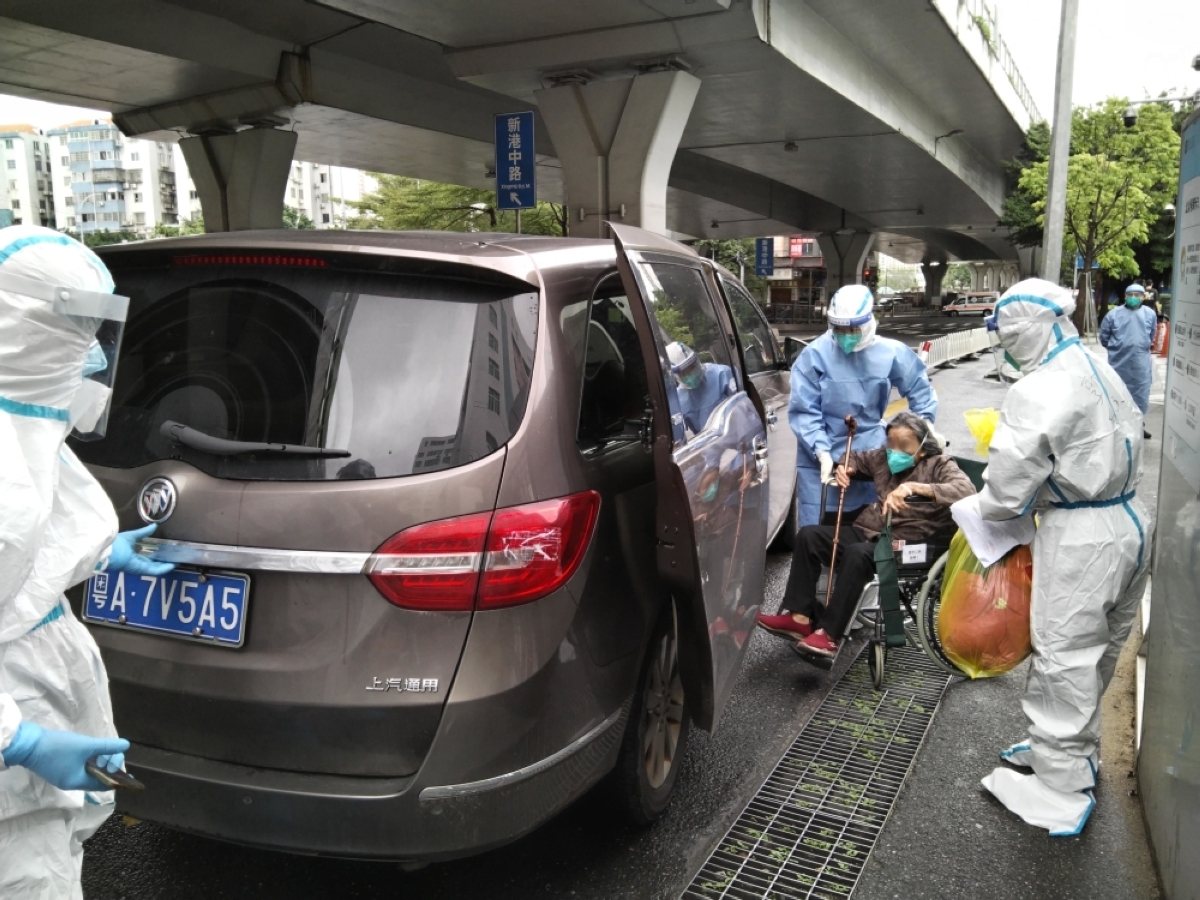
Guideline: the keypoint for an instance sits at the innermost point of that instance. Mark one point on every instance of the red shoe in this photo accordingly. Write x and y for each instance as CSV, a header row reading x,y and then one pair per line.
x,y
819,644
784,626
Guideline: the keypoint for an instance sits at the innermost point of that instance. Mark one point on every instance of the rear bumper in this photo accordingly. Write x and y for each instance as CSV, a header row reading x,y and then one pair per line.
x,y
365,818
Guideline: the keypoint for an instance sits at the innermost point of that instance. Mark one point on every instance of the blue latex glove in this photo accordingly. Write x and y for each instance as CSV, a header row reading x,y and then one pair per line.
x,y
60,756
123,558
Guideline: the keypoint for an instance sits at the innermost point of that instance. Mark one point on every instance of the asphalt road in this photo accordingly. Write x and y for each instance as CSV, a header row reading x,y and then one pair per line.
x,y
586,852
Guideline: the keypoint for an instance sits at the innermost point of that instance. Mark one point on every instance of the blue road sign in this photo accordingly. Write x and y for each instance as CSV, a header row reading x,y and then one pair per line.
x,y
764,256
1079,262
516,165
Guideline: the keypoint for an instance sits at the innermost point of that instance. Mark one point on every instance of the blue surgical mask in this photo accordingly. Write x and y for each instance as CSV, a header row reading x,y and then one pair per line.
x,y
692,379
899,461
847,341
1133,301
1008,358
710,492
96,361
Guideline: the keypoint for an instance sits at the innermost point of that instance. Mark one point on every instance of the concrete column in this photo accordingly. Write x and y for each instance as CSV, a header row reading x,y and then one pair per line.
x,y
616,141
844,255
934,272
241,177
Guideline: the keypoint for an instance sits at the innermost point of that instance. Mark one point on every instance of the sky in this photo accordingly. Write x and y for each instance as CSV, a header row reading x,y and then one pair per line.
x,y
1124,48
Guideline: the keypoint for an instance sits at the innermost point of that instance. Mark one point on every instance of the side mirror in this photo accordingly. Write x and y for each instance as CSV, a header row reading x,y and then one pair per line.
x,y
792,348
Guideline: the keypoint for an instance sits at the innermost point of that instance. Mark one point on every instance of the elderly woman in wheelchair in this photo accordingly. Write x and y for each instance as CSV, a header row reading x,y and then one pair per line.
x,y
918,484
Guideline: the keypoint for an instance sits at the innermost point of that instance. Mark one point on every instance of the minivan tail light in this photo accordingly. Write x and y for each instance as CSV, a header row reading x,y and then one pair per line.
x,y
533,550
434,566
455,564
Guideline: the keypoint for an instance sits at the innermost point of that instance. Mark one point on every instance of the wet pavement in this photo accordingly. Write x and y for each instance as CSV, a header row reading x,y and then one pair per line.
x,y
945,839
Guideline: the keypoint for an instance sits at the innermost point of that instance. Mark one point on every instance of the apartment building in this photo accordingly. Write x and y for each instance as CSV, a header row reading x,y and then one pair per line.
x,y
25,167
323,194
105,181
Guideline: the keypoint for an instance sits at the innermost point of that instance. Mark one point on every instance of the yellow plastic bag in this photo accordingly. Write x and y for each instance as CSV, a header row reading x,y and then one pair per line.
x,y
982,423
983,620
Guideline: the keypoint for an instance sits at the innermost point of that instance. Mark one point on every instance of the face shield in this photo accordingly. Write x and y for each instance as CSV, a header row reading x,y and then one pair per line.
x,y
99,318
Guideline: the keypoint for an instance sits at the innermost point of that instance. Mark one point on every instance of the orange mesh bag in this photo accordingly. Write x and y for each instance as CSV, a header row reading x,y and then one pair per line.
x,y
983,621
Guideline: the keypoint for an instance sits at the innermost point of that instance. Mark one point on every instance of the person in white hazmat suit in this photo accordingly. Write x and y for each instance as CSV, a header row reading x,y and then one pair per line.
x,y
60,327
1069,447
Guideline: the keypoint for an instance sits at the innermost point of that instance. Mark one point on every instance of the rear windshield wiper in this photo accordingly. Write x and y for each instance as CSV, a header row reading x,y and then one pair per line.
x,y
198,440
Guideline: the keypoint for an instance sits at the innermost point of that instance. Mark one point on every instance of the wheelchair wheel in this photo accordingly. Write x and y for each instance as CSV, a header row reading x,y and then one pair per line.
x,y
876,662
929,601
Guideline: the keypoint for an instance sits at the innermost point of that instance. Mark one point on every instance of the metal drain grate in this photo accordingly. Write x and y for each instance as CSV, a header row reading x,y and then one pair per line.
x,y
809,829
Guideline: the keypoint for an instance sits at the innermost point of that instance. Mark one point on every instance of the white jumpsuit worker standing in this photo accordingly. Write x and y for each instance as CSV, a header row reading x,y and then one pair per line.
x,y
1068,446
56,527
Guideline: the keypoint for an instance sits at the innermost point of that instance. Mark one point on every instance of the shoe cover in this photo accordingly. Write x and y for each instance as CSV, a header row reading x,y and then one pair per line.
x,y
1062,814
1020,754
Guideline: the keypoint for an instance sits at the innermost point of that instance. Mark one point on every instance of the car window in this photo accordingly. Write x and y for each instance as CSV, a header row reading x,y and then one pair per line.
x,y
696,365
758,343
409,374
614,370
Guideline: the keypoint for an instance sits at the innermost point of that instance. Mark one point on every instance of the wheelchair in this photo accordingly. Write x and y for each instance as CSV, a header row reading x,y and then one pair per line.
x,y
917,591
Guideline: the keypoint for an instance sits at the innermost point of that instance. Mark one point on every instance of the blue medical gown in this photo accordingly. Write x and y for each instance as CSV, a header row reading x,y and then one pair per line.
x,y
697,404
1127,334
828,385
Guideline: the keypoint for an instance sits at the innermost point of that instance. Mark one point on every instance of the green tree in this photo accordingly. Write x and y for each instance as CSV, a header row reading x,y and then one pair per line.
x,y
187,226
1020,217
103,238
957,277
406,204
1118,180
733,253
294,218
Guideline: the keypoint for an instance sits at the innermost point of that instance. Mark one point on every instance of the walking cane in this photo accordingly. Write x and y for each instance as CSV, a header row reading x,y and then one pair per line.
x,y
851,427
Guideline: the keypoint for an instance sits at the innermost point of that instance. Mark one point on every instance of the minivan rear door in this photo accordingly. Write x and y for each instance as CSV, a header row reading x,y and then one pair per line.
x,y
710,459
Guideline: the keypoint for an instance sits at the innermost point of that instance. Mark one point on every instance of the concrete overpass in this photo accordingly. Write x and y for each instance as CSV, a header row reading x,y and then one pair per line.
x,y
857,119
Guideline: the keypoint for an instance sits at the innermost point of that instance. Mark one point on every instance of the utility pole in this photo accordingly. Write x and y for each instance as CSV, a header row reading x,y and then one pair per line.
x,y
1060,145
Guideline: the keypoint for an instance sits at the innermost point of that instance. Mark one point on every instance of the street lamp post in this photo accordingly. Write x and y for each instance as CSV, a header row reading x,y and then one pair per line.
x,y
1060,145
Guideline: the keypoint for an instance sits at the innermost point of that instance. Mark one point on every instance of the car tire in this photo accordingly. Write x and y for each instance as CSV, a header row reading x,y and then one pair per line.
x,y
656,736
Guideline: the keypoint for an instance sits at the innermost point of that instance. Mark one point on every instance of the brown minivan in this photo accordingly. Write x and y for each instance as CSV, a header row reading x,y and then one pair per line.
x,y
464,523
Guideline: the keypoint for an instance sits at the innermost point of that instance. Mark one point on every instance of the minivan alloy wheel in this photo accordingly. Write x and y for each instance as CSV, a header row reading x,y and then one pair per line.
x,y
663,704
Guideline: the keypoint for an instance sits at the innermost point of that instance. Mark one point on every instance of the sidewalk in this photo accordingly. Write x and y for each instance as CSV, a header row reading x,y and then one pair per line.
x,y
947,838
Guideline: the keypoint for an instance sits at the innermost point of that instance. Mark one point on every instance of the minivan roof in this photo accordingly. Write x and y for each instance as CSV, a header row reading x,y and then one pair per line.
x,y
508,253
479,243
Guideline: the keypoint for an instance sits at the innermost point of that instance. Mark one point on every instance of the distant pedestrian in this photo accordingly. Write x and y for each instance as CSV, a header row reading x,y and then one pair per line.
x,y
1127,333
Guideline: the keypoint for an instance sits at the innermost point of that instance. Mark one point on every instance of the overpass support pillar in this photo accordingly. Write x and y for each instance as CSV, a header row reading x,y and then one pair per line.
x,y
616,141
241,177
845,255
934,272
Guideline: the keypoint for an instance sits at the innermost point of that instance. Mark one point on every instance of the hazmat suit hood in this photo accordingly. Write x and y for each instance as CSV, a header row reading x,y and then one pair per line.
x,y
55,520
853,306
43,351
1032,320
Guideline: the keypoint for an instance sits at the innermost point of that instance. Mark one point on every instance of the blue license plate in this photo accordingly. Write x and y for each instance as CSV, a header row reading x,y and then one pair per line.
x,y
209,606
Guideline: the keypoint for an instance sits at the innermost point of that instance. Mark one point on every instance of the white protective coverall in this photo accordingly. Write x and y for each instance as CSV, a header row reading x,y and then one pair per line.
x,y
1068,446
56,524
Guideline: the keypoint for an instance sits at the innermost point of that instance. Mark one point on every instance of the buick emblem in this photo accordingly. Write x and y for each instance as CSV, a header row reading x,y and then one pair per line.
x,y
156,501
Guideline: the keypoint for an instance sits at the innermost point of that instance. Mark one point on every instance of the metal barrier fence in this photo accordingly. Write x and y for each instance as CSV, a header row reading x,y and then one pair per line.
x,y
950,347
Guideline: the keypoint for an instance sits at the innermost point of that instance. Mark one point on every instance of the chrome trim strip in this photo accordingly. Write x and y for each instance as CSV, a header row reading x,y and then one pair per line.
x,y
259,559
450,791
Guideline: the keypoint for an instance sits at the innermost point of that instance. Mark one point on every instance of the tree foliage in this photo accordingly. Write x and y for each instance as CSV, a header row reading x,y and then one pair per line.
x,y
957,278
1118,180
1020,217
294,218
733,253
104,238
406,204
187,226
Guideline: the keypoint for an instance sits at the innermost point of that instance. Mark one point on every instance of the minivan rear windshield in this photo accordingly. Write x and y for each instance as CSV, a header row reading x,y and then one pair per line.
x,y
408,373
